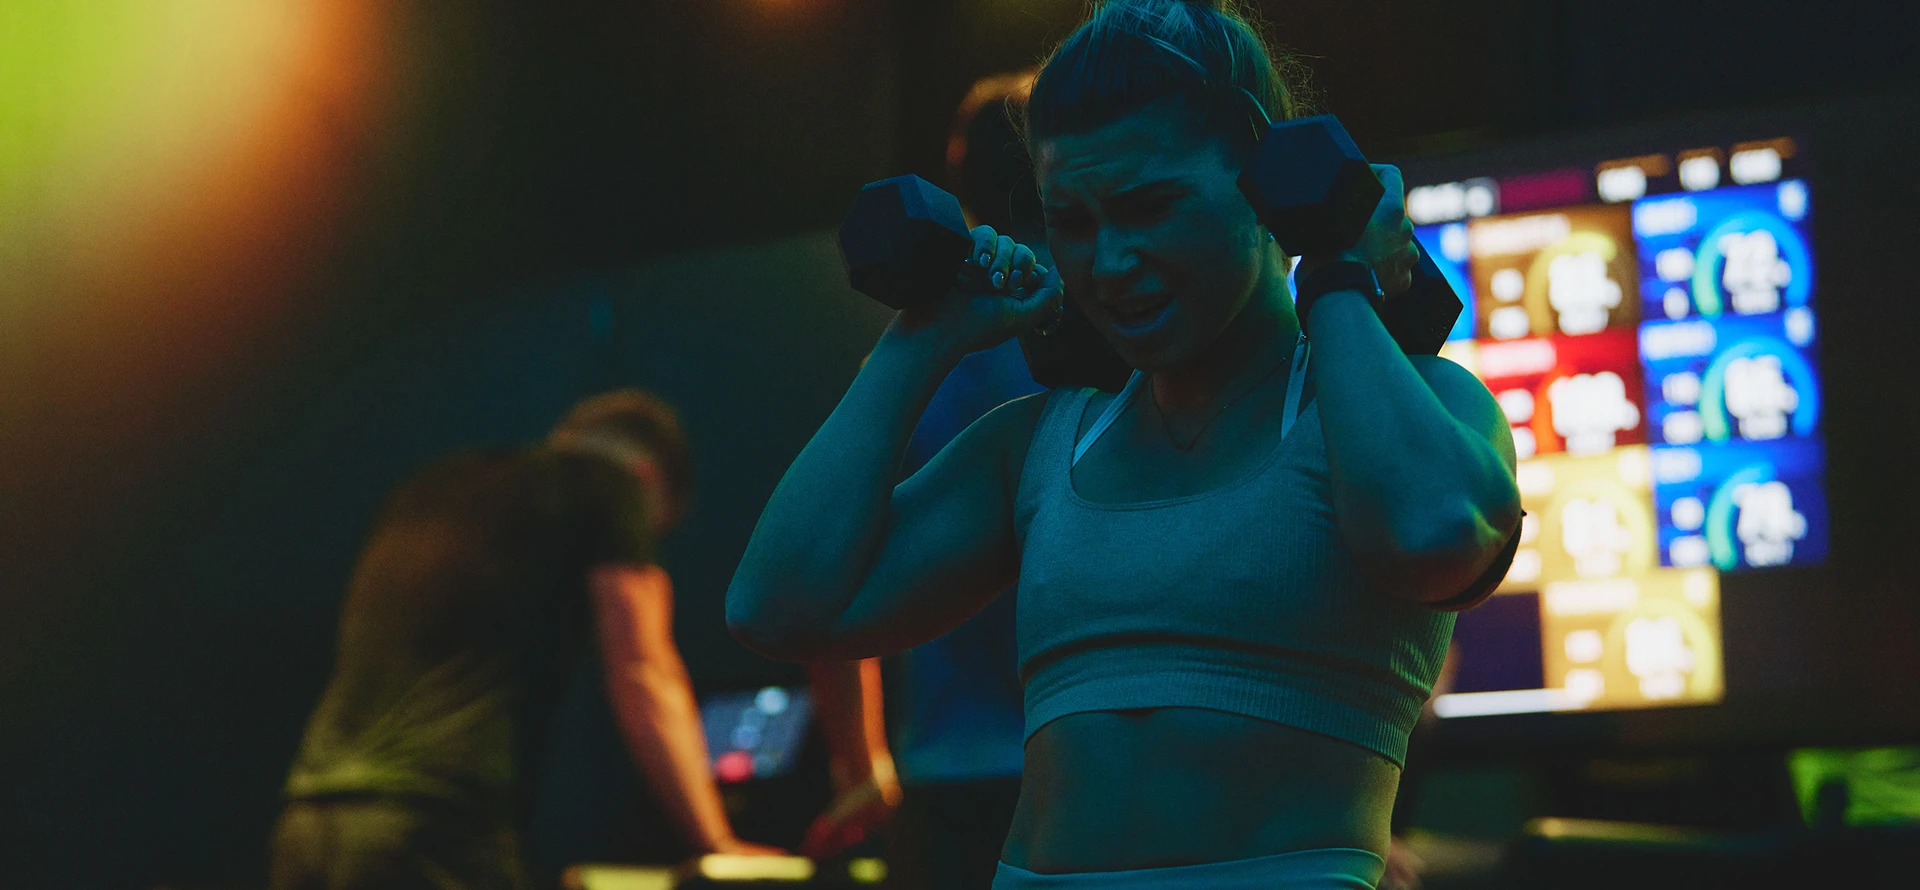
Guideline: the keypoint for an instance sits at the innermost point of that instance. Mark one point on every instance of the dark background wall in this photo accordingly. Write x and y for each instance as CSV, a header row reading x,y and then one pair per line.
x,y
493,211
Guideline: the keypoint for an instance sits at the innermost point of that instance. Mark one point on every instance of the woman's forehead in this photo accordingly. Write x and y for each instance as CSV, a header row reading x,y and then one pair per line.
x,y
1149,145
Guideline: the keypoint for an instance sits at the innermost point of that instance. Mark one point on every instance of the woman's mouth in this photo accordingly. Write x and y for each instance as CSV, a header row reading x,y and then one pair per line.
x,y
1137,317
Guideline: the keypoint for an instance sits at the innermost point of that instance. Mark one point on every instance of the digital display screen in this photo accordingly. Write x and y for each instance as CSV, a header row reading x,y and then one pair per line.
x,y
756,734
1648,326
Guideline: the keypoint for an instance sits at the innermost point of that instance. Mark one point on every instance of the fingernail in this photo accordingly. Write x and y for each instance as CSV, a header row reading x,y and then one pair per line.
x,y
1017,275
999,279
986,258
1040,271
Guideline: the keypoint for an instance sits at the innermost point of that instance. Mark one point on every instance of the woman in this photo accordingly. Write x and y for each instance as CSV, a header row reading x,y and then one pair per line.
x,y
1233,575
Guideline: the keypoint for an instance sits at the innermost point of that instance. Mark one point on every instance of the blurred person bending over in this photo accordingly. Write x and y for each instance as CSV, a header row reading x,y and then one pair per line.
x,y
483,577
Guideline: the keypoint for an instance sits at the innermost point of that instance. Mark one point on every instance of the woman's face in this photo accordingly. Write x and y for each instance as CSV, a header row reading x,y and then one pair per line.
x,y
1151,234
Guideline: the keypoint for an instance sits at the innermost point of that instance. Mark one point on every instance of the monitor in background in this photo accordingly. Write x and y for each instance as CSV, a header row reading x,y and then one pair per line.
x,y
1648,324
755,734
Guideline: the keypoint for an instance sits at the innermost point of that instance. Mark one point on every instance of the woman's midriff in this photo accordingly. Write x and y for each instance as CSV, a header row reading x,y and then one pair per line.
x,y
1116,790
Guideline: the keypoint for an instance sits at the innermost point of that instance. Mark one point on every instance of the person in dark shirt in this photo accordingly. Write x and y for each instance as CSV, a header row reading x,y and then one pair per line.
x,y
484,577
958,739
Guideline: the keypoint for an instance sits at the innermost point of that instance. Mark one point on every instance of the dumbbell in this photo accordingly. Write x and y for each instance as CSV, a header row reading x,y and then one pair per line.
x,y
1313,189
905,239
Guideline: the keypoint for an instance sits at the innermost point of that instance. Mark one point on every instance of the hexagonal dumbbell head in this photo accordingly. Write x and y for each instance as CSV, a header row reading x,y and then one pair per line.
x,y
1421,318
1311,185
903,241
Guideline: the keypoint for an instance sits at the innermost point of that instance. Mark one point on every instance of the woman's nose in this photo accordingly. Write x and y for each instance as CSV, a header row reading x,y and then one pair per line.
x,y
1114,255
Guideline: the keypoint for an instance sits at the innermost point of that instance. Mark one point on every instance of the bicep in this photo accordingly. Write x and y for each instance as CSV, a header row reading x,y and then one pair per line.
x,y
1468,402
1475,409
950,544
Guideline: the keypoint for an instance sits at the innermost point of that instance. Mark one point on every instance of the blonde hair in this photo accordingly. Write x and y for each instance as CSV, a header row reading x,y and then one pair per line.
x,y
1208,55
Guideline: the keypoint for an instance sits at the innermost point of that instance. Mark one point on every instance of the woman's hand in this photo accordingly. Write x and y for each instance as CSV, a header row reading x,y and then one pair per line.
x,y
1000,292
1387,244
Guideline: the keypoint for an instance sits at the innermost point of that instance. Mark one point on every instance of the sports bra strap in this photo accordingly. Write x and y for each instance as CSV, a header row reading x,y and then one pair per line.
x,y
1296,384
1114,409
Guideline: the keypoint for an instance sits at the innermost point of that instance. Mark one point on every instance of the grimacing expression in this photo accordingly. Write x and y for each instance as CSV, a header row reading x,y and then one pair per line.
x,y
1150,232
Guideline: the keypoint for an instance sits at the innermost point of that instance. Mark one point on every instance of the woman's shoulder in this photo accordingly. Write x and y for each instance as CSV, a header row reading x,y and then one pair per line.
x,y
1007,431
1014,423
1077,407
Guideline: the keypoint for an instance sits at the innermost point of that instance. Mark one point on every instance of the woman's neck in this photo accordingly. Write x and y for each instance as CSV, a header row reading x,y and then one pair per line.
x,y
1259,338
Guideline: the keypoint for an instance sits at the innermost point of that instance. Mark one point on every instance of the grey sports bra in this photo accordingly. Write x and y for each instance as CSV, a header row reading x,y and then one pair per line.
x,y
1242,599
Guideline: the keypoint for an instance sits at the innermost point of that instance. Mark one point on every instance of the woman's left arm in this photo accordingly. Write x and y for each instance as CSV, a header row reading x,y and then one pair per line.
x,y
1421,458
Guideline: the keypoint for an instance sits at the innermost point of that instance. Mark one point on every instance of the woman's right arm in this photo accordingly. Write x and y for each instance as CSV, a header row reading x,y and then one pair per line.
x,y
845,565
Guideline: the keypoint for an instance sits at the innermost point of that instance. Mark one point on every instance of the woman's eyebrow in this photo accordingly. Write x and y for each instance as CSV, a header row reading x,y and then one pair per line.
x,y
1131,191
1145,187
